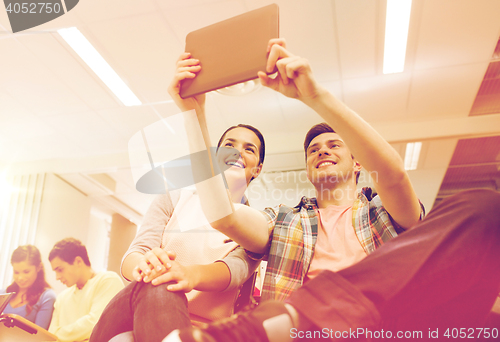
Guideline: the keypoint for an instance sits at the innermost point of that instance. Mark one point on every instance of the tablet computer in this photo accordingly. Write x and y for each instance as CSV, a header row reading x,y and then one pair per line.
x,y
14,328
231,51
4,300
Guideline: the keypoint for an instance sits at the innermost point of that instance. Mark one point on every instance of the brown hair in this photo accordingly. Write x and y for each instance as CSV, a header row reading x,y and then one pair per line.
x,y
318,130
262,149
68,249
31,254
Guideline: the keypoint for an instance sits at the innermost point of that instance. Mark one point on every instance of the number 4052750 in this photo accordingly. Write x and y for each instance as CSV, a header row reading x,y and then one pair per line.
x,y
471,333
31,7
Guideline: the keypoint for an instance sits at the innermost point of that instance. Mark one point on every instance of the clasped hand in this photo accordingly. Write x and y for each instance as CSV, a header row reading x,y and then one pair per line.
x,y
159,267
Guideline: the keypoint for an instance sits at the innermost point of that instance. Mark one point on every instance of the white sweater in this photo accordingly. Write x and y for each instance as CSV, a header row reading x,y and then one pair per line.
x,y
184,229
76,311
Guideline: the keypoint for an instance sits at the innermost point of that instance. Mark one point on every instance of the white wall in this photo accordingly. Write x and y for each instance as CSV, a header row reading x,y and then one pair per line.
x,y
64,212
122,233
98,241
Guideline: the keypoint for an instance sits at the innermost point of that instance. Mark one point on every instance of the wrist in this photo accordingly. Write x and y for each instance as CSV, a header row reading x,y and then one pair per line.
x,y
318,98
324,103
193,276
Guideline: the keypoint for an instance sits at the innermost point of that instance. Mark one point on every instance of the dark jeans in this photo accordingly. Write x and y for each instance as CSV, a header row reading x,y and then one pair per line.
x,y
444,273
151,312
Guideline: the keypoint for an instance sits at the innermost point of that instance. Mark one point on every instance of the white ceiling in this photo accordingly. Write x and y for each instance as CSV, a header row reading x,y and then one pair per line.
x,y
57,116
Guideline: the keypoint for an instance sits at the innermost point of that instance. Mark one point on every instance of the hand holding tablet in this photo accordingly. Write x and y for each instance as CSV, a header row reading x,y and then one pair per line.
x,y
231,51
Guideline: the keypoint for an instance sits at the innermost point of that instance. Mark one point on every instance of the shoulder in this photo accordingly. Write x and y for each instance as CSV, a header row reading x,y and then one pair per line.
x,y
369,194
165,202
48,294
107,284
272,212
284,213
65,293
107,276
305,202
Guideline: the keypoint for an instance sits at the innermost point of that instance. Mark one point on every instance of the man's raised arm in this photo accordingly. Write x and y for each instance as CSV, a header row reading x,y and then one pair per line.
x,y
295,79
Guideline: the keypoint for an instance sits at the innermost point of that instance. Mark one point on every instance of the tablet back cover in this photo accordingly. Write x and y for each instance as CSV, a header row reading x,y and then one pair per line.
x,y
231,51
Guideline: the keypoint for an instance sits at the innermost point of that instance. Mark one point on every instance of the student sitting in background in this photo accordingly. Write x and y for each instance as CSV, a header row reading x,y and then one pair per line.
x,y
34,299
78,308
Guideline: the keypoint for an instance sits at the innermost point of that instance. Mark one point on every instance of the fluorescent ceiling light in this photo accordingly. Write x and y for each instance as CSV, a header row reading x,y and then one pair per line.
x,y
77,41
412,154
397,23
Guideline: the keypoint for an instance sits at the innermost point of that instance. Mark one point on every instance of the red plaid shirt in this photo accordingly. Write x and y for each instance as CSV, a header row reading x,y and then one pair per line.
x,y
293,233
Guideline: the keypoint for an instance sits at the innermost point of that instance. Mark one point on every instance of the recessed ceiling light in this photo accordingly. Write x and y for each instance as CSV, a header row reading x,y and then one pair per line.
x,y
412,154
77,41
397,23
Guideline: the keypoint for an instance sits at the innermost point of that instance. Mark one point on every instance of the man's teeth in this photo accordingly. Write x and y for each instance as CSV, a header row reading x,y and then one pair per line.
x,y
326,163
235,163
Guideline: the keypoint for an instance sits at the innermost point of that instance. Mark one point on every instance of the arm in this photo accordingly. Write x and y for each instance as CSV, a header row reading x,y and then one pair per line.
x,y
134,263
54,323
44,315
295,79
243,224
130,261
226,274
211,277
80,330
240,266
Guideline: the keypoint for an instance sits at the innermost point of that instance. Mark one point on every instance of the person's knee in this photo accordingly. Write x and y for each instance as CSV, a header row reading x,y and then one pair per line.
x,y
483,202
159,294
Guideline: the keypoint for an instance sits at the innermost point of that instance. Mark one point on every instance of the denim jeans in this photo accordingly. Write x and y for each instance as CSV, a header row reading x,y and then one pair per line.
x,y
442,274
150,312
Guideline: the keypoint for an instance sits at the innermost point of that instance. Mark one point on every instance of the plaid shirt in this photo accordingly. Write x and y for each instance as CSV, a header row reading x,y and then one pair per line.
x,y
293,236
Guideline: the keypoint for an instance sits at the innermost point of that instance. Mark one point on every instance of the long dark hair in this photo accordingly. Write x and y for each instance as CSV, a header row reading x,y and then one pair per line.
x,y
31,254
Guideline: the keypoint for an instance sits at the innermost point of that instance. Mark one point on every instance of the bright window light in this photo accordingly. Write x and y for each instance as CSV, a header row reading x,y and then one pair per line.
x,y
5,190
397,23
77,41
412,154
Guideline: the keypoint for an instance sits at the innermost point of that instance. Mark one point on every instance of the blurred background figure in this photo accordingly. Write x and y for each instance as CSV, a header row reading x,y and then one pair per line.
x,y
34,299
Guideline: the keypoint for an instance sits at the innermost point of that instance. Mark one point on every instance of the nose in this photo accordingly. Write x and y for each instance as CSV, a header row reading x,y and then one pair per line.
x,y
236,152
324,150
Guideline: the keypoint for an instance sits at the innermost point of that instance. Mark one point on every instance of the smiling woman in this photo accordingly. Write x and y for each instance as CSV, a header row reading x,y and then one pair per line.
x,y
176,247
34,300
245,150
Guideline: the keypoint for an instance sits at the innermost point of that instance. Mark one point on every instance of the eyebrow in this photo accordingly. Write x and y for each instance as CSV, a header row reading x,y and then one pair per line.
x,y
246,143
328,142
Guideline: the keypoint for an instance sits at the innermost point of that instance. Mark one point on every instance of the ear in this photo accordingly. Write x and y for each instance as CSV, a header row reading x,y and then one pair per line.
x,y
357,166
256,171
78,261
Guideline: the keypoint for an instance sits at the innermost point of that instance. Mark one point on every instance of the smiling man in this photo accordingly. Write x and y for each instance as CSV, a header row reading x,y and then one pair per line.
x,y
78,308
336,259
